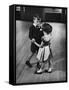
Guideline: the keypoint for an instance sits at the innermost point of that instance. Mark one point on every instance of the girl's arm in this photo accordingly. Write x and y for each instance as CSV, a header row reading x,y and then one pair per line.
x,y
39,45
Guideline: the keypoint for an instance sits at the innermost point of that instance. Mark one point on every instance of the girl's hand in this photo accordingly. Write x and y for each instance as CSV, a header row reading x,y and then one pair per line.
x,y
41,46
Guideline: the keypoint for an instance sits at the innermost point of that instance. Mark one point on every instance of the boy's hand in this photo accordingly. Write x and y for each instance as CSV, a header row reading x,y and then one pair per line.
x,y
33,40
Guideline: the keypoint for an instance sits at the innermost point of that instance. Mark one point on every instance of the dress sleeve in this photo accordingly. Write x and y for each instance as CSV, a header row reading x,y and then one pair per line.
x,y
47,37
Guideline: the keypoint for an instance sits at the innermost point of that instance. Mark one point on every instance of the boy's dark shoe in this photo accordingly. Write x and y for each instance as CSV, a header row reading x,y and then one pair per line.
x,y
28,64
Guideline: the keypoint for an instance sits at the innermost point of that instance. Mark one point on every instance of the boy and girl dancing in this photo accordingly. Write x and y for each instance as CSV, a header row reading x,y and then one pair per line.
x,y
40,36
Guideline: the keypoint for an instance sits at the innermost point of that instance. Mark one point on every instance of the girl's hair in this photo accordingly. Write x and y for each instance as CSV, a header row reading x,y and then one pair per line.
x,y
47,28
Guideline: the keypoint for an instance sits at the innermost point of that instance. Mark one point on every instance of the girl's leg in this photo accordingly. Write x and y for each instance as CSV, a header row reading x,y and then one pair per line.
x,y
39,58
43,65
49,66
50,62
40,64
41,68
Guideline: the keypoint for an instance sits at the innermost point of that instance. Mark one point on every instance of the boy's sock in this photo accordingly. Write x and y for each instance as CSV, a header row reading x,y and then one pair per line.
x,y
38,65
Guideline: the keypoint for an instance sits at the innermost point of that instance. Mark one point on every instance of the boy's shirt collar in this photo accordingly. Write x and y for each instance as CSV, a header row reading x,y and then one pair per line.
x,y
34,24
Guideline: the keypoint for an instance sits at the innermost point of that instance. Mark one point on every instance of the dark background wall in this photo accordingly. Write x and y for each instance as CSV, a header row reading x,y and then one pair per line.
x,y
52,14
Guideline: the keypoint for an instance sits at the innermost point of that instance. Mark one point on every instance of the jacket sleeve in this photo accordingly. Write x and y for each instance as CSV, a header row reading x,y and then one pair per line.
x,y
30,33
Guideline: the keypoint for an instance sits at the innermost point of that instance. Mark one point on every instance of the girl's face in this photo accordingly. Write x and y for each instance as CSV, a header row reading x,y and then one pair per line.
x,y
39,23
44,33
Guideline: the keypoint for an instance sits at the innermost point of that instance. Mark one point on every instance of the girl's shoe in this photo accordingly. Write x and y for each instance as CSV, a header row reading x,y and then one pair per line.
x,y
49,70
39,71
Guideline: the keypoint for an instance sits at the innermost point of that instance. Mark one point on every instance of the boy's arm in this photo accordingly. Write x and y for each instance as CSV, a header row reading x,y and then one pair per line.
x,y
31,34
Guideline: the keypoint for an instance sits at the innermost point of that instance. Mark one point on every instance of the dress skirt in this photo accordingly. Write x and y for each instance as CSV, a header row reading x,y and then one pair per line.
x,y
43,53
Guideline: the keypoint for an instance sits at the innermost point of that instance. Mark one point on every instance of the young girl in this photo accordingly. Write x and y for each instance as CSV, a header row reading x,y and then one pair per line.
x,y
44,53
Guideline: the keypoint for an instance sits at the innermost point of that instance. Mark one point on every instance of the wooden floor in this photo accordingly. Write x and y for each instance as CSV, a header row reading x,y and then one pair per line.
x,y
24,74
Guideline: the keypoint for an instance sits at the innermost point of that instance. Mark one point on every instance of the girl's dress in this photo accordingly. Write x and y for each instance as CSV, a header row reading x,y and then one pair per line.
x,y
44,52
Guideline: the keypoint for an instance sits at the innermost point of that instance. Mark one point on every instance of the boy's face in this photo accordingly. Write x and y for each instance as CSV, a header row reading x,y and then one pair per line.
x,y
36,21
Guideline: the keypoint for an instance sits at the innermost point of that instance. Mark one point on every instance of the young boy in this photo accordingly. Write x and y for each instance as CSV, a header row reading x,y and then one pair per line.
x,y
35,34
44,53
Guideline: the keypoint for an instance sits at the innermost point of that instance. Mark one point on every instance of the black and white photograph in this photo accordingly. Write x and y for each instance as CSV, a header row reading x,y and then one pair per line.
x,y
41,44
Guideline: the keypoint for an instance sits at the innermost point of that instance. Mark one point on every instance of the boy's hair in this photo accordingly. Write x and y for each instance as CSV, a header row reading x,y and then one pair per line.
x,y
47,28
